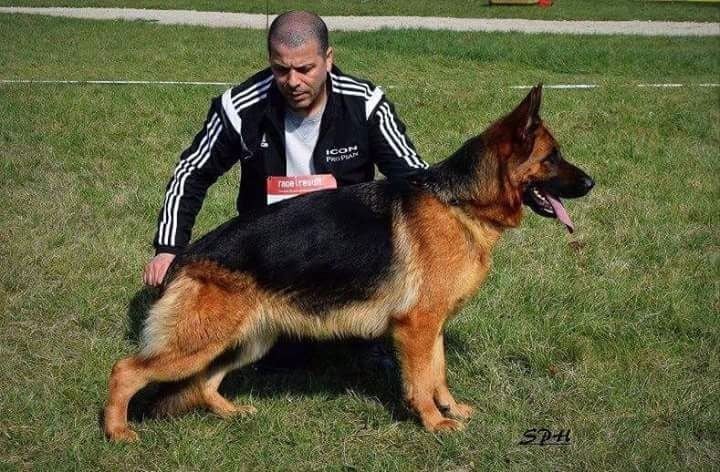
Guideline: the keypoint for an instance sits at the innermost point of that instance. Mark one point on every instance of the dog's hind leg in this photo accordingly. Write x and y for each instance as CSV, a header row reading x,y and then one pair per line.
x,y
251,351
131,374
202,389
443,398
194,322
123,384
415,337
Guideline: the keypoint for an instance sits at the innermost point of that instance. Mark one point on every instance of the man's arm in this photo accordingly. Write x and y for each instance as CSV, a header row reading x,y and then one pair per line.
x,y
392,150
213,151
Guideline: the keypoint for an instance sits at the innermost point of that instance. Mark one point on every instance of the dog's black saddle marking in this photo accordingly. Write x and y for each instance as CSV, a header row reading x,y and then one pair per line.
x,y
325,249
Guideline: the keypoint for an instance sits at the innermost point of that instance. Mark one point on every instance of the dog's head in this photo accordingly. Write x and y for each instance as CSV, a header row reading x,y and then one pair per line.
x,y
536,170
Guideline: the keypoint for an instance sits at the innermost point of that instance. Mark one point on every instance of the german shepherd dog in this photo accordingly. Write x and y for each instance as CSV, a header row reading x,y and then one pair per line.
x,y
400,257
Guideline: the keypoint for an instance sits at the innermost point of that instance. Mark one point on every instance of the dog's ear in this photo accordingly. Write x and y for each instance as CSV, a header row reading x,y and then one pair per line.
x,y
526,117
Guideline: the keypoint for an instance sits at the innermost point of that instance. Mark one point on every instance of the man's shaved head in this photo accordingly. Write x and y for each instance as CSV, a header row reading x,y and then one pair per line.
x,y
296,28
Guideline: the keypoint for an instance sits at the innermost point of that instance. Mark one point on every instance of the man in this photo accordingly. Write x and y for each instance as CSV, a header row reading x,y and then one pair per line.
x,y
301,116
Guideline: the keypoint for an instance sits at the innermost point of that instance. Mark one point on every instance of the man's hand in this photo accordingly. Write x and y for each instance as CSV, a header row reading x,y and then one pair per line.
x,y
155,270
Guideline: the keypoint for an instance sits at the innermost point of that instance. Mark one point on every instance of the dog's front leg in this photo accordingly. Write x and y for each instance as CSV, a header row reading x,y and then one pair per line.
x,y
415,336
443,398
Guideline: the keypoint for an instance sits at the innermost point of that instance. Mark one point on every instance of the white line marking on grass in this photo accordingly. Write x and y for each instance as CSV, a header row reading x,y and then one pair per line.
x,y
591,86
110,82
225,84
660,85
558,86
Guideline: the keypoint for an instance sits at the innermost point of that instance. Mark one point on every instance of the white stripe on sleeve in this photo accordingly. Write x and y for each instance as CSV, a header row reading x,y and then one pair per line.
x,y
230,111
373,101
179,170
389,128
252,90
168,225
204,158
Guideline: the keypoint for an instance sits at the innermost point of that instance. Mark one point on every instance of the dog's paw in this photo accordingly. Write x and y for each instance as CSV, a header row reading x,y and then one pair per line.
x,y
459,411
125,435
245,410
462,411
446,425
229,410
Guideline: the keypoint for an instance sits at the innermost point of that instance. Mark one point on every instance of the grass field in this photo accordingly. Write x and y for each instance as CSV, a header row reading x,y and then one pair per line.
x,y
561,9
612,333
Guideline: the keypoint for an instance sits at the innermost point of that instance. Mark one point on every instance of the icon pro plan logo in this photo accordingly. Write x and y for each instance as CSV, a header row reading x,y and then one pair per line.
x,y
341,154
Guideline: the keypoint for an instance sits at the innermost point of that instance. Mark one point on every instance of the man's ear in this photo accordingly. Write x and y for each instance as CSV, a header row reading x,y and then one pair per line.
x,y
329,57
526,116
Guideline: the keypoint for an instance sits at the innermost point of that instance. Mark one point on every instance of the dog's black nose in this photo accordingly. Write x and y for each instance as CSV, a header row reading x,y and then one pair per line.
x,y
588,183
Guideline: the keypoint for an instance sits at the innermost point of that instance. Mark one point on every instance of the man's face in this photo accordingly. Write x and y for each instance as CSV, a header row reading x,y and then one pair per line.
x,y
300,74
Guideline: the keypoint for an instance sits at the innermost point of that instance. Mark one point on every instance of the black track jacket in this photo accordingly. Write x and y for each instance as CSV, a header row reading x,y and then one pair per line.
x,y
358,129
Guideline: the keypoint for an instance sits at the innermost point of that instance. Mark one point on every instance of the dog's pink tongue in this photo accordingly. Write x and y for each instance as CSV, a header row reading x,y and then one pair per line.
x,y
561,212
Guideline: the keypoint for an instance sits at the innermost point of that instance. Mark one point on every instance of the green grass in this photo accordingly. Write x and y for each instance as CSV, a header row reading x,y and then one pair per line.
x,y
561,10
612,332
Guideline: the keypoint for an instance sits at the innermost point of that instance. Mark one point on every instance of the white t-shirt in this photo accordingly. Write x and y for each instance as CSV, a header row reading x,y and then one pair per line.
x,y
301,135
